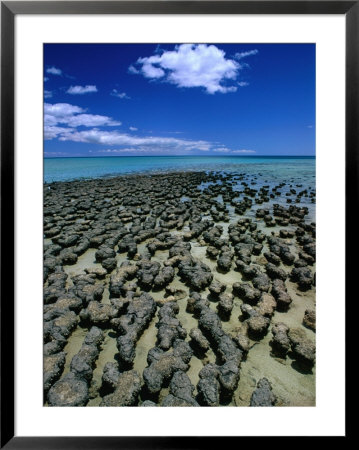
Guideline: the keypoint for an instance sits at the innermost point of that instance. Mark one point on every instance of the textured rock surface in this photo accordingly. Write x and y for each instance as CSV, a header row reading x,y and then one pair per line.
x,y
263,395
128,387
159,290
69,391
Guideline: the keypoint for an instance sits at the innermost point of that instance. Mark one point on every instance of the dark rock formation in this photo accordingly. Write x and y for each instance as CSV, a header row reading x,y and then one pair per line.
x,y
263,395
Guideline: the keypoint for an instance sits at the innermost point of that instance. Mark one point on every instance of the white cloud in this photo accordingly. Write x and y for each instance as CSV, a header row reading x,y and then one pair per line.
x,y
50,120
96,136
47,94
54,71
137,150
46,79
90,120
243,83
61,121
242,55
166,150
73,116
56,154
52,132
145,150
243,151
148,69
79,90
133,69
116,150
192,65
232,152
116,93
62,109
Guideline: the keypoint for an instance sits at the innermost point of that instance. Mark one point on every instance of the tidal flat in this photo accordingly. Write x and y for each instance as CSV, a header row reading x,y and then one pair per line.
x,y
191,288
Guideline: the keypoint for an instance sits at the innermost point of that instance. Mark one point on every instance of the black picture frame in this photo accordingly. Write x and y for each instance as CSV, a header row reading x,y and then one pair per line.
x,y
9,9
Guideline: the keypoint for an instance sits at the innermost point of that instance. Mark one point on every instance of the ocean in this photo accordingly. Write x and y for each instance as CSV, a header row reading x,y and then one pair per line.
x,y
279,168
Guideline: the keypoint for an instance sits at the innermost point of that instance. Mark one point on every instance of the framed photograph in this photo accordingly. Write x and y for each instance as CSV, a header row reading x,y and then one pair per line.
x,y
175,178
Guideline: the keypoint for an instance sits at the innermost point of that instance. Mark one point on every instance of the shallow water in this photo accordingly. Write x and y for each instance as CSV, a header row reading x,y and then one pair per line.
x,y
73,346
271,168
144,344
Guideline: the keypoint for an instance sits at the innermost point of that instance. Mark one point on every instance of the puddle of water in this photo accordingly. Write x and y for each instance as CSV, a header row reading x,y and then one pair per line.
x,y
195,366
144,344
84,261
106,296
187,320
160,256
73,346
121,257
107,354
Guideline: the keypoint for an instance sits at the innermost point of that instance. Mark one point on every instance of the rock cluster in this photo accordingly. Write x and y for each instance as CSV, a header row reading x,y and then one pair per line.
x,y
211,243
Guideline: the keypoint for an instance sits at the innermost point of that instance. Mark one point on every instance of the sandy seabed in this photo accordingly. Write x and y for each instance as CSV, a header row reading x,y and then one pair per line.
x,y
179,289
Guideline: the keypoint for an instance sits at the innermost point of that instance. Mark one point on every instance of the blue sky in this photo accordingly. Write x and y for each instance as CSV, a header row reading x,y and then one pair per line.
x,y
184,99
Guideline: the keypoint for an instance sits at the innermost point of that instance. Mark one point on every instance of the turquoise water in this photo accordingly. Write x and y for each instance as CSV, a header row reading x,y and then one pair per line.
x,y
277,168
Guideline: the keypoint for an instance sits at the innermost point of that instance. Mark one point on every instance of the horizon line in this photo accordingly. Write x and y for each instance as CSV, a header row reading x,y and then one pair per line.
x,y
174,156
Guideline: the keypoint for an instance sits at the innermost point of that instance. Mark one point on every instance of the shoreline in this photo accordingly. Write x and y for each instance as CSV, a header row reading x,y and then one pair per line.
x,y
206,272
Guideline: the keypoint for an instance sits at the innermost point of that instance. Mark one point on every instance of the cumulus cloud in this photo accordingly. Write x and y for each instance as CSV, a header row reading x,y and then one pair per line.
x,y
133,128
54,71
47,94
80,90
62,109
116,93
46,79
73,116
148,69
193,65
52,132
